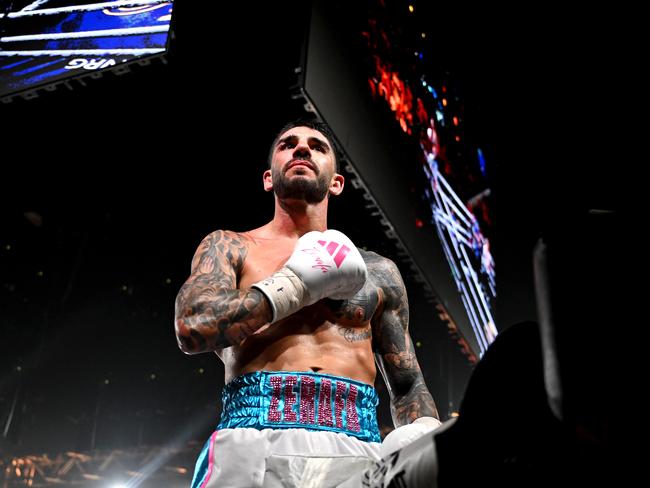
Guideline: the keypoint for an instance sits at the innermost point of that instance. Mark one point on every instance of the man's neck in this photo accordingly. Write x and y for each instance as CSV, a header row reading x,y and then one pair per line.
x,y
295,217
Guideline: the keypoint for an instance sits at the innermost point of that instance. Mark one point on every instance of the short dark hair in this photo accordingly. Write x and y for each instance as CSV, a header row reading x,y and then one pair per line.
x,y
321,127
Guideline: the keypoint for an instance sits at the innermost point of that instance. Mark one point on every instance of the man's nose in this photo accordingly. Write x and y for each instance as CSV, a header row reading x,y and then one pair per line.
x,y
301,150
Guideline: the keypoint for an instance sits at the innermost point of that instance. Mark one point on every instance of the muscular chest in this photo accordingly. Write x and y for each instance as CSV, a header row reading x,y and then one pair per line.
x,y
261,262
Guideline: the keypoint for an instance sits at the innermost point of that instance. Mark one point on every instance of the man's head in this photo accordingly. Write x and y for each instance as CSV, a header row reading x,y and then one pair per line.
x,y
321,127
303,163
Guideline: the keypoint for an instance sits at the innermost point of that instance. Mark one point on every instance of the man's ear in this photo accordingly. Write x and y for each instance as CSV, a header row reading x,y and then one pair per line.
x,y
336,185
267,180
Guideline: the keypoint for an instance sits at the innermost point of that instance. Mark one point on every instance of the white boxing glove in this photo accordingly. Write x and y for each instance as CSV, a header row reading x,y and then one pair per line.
x,y
406,434
323,264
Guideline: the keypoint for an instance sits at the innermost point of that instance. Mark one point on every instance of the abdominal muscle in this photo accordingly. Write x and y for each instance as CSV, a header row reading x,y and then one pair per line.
x,y
297,343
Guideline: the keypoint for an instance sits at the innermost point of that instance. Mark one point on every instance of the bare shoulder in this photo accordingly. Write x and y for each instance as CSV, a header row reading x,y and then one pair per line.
x,y
371,257
221,249
383,271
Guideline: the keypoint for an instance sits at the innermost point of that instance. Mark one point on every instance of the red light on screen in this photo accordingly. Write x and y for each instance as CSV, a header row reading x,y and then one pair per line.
x,y
390,86
455,119
418,223
421,112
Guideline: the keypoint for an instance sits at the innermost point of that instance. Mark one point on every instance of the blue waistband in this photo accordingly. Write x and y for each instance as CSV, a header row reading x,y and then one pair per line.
x,y
312,401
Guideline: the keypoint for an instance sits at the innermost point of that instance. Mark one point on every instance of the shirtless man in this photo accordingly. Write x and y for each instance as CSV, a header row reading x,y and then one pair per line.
x,y
301,320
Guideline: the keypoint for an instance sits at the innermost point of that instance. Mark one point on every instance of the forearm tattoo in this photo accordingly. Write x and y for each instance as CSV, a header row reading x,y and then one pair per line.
x,y
211,313
394,352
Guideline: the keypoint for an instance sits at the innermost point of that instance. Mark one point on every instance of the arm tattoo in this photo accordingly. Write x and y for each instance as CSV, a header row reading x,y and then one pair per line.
x,y
211,313
394,353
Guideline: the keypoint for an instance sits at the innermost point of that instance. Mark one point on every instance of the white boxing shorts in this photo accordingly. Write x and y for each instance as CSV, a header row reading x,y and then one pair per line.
x,y
282,429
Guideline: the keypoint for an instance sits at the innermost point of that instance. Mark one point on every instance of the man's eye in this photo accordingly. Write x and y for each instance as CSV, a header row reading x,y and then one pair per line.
x,y
319,148
288,145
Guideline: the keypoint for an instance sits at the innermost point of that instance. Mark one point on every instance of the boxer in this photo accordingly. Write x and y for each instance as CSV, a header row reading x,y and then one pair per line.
x,y
302,321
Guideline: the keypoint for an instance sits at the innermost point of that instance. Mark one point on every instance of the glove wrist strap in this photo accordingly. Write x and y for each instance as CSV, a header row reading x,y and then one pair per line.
x,y
285,291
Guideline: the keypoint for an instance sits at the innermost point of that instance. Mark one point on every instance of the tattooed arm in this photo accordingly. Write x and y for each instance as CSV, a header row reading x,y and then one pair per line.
x,y
393,348
211,313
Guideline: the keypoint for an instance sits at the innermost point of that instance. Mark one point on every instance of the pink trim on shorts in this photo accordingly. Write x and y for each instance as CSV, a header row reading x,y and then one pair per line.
x,y
211,461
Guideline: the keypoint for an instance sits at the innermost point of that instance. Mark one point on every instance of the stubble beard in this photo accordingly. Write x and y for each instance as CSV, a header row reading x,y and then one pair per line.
x,y
300,187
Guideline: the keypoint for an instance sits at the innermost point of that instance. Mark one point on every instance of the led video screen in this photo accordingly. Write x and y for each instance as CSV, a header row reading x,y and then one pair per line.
x,y
45,41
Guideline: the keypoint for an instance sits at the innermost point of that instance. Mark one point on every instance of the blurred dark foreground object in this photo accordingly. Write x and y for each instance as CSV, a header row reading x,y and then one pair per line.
x,y
541,406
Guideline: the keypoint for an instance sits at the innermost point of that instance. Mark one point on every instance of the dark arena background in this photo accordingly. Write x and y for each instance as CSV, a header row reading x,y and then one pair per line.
x,y
473,148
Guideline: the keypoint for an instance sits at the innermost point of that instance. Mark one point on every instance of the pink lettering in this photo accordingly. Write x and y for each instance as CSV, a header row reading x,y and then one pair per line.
x,y
307,394
338,403
351,410
306,411
319,263
274,413
289,398
324,403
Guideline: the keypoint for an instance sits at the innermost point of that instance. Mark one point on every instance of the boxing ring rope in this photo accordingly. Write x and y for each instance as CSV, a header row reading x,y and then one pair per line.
x,y
84,34
129,31
84,52
82,8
